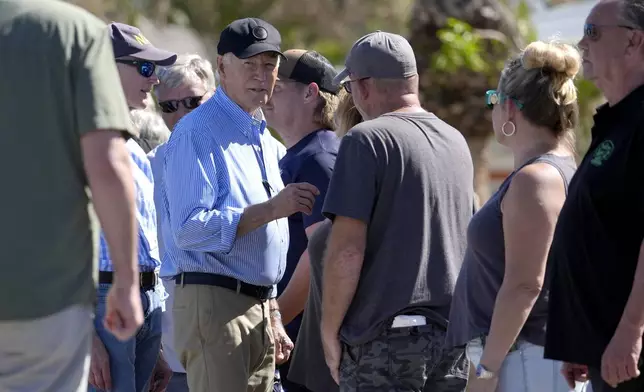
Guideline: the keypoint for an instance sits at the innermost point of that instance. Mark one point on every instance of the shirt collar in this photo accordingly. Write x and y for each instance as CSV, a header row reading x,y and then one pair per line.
x,y
243,121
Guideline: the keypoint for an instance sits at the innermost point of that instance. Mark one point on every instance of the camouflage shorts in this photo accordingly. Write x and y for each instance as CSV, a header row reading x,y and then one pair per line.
x,y
404,359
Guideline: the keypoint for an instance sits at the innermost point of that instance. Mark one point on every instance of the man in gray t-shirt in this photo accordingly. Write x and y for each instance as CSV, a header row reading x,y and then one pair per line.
x,y
400,199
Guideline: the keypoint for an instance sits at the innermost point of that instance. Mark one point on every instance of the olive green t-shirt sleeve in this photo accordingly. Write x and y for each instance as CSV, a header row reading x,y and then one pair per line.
x,y
99,99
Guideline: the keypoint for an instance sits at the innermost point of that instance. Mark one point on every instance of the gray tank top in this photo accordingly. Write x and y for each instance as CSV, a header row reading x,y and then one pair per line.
x,y
483,268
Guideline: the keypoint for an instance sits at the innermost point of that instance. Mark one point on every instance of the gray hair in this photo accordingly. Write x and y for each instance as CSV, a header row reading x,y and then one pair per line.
x,y
632,13
152,129
187,68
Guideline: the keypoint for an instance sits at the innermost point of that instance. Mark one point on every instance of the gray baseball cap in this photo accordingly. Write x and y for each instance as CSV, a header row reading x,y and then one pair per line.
x,y
379,55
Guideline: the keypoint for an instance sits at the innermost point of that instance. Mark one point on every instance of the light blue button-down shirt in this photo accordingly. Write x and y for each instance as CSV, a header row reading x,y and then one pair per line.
x,y
148,252
212,172
156,158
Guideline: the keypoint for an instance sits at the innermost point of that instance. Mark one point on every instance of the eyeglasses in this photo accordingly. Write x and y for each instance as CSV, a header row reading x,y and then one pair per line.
x,y
593,32
145,68
492,97
172,106
347,84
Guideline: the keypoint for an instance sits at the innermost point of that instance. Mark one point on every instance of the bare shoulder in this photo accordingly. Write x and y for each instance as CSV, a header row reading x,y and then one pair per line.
x,y
535,189
536,177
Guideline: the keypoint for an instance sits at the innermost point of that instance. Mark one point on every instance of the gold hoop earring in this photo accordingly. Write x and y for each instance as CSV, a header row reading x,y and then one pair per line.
x,y
508,134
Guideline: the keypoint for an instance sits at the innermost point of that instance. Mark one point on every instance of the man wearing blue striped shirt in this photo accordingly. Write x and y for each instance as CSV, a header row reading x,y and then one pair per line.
x,y
228,236
128,366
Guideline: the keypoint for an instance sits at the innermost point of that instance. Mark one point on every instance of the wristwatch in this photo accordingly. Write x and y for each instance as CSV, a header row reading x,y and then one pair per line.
x,y
275,313
483,373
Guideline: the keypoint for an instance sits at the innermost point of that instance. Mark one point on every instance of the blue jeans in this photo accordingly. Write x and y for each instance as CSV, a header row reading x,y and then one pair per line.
x,y
132,361
525,369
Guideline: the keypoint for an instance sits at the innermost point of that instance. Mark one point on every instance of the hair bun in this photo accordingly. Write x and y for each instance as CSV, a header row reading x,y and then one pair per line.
x,y
561,58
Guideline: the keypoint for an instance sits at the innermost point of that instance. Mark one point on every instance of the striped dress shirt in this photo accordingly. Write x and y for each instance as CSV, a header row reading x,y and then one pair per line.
x,y
148,252
215,163
156,158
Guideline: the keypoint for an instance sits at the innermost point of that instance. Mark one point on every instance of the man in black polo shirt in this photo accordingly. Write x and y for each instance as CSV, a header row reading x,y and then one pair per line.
x,y
596,317
301,111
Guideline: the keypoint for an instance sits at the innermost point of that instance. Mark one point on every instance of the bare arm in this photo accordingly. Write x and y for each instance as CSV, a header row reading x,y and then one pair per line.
x,y
293,300
107,165
255,216
633,317
342,265
530,211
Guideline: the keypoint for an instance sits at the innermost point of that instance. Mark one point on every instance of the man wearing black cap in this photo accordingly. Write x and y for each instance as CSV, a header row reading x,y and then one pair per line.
x,y
128,365
227,233
301,111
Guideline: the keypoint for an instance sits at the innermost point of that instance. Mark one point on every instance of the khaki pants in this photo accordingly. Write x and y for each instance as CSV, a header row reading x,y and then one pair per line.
x,y
50,354
223,340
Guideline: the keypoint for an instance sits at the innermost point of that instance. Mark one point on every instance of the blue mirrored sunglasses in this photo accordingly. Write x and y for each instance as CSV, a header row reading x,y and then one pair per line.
x,y
145,68
492,97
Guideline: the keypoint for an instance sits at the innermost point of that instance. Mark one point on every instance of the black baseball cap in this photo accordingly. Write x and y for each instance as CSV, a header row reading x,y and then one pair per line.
x,y
249,37
129,41
309,66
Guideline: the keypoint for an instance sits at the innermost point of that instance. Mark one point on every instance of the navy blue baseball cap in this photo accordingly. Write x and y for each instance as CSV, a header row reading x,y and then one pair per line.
x,y
129,41
249,37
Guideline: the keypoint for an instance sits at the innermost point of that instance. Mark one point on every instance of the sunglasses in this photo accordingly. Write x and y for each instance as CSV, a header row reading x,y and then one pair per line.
x,y
145,68
172,106
493,97
593,32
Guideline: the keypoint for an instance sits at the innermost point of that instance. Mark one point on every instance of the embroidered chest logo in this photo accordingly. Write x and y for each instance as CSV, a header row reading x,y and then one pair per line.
x,y
602,153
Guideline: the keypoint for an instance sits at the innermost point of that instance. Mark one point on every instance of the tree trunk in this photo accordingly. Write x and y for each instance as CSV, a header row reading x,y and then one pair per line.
x,y
457,95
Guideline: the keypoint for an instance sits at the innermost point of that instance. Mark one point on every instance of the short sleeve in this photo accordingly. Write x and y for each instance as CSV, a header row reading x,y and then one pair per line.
x,y
352,191
98,97
317,171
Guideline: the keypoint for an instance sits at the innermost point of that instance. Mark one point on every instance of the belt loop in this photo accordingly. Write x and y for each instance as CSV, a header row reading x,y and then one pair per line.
x,y
238,286
182,276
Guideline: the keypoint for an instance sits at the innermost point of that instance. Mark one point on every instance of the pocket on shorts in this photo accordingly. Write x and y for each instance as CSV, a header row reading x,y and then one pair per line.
x,y
349,360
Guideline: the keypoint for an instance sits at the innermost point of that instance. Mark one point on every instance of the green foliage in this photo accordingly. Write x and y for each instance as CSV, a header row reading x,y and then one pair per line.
x,y
524,22
460,48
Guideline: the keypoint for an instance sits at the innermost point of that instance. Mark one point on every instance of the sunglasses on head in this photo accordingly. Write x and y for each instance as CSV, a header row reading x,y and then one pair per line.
x,y
492,97
172,105
593,31
145,68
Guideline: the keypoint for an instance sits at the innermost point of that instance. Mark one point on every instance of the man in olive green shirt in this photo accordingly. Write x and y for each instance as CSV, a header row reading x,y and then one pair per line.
x,y
62,121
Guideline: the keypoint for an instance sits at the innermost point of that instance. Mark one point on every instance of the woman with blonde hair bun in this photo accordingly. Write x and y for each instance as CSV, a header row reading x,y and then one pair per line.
x,y
500,303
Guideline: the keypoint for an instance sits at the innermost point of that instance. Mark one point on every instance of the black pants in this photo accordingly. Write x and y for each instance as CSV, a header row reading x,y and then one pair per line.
x,y
287,385
599,385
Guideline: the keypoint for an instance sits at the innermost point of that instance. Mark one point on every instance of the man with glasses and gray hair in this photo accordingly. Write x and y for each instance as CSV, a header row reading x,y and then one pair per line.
x,y
134,364
596,307
182,87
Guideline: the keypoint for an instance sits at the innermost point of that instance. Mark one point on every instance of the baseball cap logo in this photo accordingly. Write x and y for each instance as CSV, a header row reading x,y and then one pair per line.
x,y
260,33
141,39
